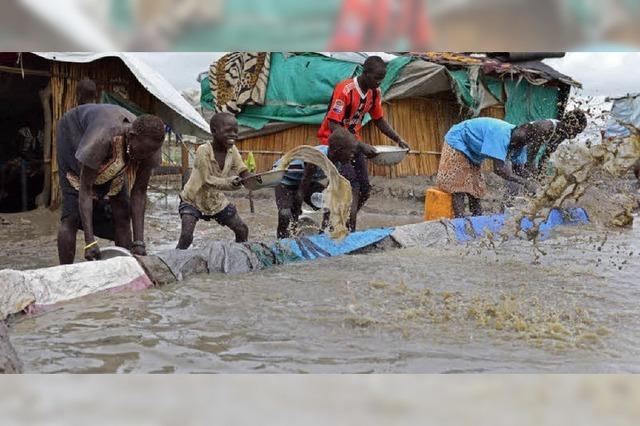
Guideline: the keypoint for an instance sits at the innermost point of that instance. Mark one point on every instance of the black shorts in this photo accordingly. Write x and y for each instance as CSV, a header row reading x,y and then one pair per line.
x,y
286,197
223,217
103,226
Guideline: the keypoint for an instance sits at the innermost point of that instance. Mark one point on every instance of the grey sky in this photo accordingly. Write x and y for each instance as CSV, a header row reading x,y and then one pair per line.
x,y
601,73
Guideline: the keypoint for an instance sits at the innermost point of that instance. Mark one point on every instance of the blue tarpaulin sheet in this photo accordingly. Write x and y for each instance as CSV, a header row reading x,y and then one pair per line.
x,y
465,229
494,223
321,245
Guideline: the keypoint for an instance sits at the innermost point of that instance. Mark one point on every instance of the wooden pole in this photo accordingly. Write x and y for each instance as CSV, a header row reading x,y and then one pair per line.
x,y
22,71
43,198
184,156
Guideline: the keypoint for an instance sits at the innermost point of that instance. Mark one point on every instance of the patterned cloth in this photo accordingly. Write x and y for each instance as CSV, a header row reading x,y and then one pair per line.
x,y
457,174
295,171
113,170
238,79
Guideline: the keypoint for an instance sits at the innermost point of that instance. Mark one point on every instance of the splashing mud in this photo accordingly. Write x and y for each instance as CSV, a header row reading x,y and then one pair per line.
x,y
583,175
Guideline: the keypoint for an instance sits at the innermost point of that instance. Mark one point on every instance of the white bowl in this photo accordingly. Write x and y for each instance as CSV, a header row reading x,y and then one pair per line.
x,y
264,180
389,155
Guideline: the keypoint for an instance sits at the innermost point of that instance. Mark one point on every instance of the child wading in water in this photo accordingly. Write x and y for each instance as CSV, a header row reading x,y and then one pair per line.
x,y
218,167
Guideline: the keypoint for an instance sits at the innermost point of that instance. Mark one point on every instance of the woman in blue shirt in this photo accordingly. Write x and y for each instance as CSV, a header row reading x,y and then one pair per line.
x,y
467,145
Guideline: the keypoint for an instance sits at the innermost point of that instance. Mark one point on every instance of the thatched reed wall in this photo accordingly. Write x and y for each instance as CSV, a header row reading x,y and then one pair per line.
x,y
109,74
422,122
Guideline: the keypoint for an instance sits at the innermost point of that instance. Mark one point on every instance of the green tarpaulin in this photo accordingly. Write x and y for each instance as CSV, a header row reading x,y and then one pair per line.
x,y
300,88
115,99
525,102
463,87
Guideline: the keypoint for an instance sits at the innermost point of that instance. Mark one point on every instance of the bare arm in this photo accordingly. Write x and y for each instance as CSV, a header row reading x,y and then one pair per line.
x,y
536,134
505,171
367,149
139,196
389,132
85,201
552,146
333,125
307,179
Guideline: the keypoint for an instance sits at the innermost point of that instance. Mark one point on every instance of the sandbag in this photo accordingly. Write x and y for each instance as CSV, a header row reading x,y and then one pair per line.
x,y
218,256
20,290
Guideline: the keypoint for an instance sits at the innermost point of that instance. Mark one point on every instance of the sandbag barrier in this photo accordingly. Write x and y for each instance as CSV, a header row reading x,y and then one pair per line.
x,y
31,291
462,230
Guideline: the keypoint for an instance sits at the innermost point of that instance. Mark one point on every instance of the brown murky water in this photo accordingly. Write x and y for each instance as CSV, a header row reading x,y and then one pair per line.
x,y
457,309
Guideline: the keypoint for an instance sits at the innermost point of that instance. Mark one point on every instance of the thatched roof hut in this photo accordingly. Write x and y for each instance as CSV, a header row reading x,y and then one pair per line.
x,y
423,96
42,86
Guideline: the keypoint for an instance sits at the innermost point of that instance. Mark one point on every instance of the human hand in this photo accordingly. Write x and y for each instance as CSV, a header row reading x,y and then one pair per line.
x,y
368,150
92,251
402,144
139,250
531,186
236,181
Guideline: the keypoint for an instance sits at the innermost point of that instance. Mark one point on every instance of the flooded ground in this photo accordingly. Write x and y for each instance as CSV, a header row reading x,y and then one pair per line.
x,y
458,309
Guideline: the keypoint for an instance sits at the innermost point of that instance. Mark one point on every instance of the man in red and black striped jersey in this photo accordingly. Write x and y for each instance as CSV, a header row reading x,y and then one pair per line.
x,y
351,100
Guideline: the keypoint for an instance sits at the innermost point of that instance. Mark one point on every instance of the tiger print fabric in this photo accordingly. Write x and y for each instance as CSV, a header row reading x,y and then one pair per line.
x,y
238,79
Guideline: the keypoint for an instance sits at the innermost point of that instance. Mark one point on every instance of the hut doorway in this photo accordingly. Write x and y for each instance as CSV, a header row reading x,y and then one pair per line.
x,y
22,141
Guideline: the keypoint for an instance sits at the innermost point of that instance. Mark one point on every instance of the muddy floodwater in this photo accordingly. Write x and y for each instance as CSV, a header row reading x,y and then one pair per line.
x,y
472,308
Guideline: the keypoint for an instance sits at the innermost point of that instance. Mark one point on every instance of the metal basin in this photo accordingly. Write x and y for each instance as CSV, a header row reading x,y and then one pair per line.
x,y
263,180
113,251
389,155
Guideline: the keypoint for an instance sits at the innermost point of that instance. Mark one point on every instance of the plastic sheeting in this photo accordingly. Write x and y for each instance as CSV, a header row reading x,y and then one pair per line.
x,y
218,256
625,111
462,230
300,88
46,286
425,234
473,89
115,99
418,79
525,102
469,228
317,246
171,106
